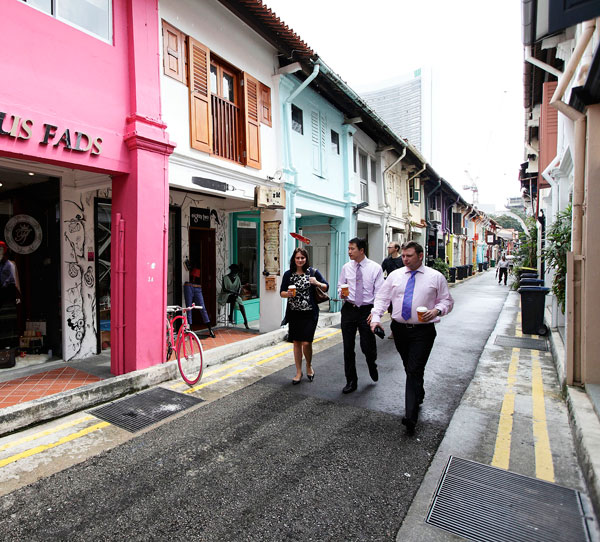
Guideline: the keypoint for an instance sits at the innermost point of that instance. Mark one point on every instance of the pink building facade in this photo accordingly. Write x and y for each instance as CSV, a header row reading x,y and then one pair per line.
x,y
84,195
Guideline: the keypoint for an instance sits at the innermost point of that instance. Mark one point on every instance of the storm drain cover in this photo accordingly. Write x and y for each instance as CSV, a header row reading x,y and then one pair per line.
x,y
521,342
144,409
484,503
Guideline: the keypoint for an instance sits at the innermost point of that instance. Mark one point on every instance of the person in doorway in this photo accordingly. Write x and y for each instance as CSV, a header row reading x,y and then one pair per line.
x,y
192,291
302,312
391,263
503,269
363,278
10,297
231,289
414,286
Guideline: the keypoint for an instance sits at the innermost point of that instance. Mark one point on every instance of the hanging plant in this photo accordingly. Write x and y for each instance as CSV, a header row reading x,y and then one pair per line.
x,y
558,244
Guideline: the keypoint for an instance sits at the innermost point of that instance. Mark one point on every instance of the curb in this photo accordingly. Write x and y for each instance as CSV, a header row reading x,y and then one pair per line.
x,y
44,409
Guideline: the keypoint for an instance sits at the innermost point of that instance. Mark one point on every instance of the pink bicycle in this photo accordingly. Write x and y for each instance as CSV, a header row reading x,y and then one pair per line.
x,y
190,356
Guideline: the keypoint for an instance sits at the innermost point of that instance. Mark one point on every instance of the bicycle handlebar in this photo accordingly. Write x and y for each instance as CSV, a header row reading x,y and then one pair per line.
x,y
177,308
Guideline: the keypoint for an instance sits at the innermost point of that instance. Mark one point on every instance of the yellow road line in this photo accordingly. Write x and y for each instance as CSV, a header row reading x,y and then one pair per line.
x,y
501,457
544,468
44,447
45,433
243,360
261,362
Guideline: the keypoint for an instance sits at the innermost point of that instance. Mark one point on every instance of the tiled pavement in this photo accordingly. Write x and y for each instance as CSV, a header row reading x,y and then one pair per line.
x,y
43,384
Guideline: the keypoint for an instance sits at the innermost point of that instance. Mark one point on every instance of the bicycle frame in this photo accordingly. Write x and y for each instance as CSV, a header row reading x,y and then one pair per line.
x,y
185,325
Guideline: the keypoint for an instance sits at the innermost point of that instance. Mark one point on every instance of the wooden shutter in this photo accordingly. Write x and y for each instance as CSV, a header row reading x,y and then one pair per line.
x,y
173,52
315,136
200,110
251,122
265,105
548,131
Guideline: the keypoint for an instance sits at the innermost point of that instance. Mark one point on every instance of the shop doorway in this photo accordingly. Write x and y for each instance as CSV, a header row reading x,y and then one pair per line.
x,y
245,253
30,321
203,257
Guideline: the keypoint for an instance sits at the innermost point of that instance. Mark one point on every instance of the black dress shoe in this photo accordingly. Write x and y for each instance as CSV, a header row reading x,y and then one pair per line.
x,y
350,387
211,333
294,381
374,374
410,426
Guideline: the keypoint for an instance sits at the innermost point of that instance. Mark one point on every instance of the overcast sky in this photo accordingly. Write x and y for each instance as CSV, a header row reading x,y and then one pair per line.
x,y
474,51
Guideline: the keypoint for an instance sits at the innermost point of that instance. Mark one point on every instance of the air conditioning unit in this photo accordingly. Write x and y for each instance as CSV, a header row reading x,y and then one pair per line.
x,y
435,216
269,198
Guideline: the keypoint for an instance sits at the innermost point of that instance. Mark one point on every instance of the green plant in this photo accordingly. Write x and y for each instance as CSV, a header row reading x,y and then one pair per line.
x,y
441,266
526,256
558,244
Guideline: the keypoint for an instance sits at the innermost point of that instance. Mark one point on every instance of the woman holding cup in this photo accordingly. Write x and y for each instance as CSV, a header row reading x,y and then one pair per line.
x,y
302,313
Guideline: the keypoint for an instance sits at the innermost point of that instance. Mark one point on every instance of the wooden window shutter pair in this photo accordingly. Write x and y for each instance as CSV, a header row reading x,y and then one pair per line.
x,y
201,121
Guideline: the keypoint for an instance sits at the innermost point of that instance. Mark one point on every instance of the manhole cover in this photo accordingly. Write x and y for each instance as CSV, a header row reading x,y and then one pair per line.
x,y
521,342
484,503
144,409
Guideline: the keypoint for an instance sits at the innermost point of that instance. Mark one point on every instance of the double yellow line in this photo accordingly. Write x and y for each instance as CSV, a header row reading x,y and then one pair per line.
x,y
86,431
544,467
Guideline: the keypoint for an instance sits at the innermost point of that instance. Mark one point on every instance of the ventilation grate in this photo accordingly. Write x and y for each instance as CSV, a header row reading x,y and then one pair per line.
x,y
521,342
144,409
487,504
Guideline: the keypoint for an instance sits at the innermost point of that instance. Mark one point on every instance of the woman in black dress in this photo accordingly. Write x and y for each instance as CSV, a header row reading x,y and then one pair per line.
x,y
302,313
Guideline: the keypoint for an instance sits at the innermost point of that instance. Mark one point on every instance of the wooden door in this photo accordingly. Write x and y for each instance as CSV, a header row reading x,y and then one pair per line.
x,y
203,256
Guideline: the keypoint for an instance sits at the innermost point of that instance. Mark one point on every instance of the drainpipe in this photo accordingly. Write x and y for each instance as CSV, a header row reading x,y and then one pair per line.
x,y
542,65
574,313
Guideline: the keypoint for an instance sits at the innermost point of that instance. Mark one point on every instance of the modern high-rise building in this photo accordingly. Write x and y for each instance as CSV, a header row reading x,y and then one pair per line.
x,y
405,105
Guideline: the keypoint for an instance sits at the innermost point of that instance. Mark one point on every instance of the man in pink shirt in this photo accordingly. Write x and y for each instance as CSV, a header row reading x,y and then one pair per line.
x,y
412,286
364,277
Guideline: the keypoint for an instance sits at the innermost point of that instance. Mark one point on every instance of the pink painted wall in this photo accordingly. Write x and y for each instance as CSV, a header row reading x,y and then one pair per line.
x,y
54,73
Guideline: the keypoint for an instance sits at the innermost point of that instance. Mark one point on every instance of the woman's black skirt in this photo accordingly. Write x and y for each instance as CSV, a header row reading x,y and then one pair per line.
x,y
302,325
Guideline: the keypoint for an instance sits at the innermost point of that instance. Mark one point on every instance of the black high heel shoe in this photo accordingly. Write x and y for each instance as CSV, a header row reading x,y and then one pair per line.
x,y
311,377
294,381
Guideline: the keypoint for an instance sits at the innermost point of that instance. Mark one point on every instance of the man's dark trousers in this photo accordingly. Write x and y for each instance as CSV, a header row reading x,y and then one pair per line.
x,y
355,318
414,344
502,271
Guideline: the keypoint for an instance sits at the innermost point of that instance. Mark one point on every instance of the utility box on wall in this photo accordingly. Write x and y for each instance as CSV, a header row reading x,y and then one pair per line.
x,y
269,198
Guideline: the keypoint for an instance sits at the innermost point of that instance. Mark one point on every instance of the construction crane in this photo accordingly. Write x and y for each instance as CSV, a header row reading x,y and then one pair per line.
x,y
473,187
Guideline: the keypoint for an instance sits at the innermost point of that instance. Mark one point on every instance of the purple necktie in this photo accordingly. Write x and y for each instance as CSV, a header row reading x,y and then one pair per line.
x,y
358,294
408,295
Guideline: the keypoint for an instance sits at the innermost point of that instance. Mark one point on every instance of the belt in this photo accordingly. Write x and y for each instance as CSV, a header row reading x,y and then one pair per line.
x,y
359,306
413,325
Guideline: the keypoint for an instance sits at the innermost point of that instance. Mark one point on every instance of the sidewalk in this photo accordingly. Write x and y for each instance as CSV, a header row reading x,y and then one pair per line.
x,y
85,395
485,430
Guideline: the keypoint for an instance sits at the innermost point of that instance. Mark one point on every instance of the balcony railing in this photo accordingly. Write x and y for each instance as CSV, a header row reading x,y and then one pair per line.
x,y
226,137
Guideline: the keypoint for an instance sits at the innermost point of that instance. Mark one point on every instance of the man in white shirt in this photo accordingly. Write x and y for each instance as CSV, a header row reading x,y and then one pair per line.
x,y
503,269
412,286
364,277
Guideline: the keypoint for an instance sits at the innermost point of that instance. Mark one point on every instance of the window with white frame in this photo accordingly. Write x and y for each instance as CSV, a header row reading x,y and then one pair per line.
x,y
373,171
91,16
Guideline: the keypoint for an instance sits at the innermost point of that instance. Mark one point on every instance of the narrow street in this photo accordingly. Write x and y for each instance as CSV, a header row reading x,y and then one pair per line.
x,y
269,461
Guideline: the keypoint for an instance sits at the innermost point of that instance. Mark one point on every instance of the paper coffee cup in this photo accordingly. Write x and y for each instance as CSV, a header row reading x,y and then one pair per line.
x,y
420,312
292,290
345,290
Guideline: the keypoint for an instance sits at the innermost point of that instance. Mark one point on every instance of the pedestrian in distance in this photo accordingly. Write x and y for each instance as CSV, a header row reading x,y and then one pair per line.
x,y
420,295
298,286
391,263
503,269
359,279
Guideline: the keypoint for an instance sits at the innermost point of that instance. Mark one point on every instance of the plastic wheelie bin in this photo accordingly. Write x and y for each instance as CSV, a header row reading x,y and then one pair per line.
x,y
452,274
480,267
532,309
531,282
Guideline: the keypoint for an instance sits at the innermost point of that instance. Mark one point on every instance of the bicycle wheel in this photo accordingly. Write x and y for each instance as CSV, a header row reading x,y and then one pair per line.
x,y
169,344
190,357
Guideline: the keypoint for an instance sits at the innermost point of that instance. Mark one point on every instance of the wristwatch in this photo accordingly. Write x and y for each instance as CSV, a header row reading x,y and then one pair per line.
x,y
439,312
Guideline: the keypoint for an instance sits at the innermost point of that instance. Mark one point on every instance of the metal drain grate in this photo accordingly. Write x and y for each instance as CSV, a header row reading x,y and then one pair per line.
x,y
487,504
521,342
144,409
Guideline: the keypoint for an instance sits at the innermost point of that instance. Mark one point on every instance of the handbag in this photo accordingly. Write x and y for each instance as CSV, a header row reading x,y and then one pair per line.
x,y
320,295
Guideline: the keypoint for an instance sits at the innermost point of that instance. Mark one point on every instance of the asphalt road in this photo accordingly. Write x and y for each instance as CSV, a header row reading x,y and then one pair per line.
x,y
271,461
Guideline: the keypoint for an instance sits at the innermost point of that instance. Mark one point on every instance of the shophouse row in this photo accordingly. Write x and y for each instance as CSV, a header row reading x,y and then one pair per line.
x,y
141,139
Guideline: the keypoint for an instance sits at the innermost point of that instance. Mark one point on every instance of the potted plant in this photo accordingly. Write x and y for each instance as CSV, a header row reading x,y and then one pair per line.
x,y
441,266
558,244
